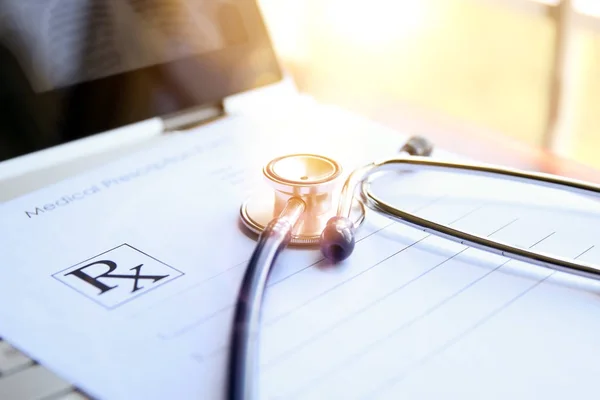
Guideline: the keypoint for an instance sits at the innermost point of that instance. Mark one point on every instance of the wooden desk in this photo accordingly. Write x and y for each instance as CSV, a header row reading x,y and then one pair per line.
x,y
477,142
451,134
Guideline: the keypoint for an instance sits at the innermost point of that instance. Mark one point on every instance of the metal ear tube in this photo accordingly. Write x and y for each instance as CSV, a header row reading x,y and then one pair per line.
x,y
338,237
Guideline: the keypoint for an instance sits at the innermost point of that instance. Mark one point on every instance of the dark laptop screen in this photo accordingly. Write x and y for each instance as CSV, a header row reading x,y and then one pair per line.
x,y
69,69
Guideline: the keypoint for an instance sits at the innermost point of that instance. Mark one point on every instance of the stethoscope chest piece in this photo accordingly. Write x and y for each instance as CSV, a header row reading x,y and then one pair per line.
x,y
312,178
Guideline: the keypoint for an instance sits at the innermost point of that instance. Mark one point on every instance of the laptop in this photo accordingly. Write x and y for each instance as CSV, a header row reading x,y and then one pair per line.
x,y
99,76
86,83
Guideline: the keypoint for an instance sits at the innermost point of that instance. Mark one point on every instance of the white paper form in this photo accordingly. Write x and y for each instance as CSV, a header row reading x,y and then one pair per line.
x,y
407,315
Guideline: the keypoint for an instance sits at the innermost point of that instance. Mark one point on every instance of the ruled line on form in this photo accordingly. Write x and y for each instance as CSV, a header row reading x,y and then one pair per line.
x,y
274,320
585,251
542,239
504,226
321,259
380,299
424,360
191,287
388,383
198,322
285,355
345,362
210,352
207,353
480,323
318,296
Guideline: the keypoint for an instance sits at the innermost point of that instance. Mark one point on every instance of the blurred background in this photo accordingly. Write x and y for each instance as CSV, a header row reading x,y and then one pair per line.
x,y
527,71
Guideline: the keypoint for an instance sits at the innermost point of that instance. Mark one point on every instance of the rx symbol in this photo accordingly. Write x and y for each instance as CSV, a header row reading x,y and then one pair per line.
x,y
103,287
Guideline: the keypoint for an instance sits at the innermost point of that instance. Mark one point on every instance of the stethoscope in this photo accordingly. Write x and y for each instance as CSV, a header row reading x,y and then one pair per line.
x,y
300,212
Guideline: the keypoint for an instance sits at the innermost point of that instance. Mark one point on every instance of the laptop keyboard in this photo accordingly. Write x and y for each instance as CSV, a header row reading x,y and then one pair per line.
x,y
22,378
